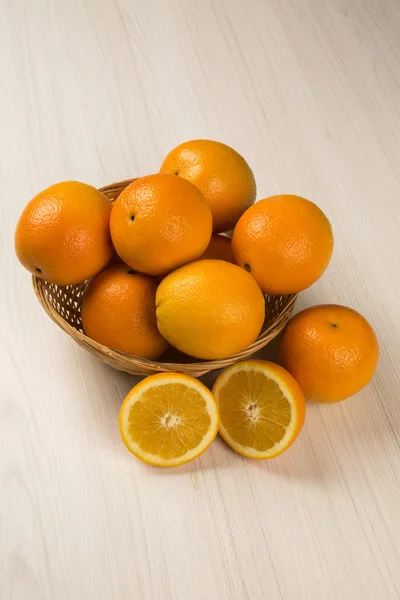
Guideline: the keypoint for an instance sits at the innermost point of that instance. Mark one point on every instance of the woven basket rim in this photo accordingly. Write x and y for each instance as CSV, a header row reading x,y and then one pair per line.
x,y
112,353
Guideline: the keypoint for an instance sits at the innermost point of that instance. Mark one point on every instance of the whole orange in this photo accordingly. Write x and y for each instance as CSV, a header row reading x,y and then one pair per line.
x,y
331,350
63,234
219,248
210,309
285,242
220,172
119,311
160,222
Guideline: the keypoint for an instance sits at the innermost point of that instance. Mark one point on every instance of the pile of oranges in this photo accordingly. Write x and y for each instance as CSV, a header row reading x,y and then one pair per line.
x,y
162,273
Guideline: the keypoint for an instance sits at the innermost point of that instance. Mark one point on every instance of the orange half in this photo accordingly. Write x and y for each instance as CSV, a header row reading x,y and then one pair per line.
x,y
168,419
261,406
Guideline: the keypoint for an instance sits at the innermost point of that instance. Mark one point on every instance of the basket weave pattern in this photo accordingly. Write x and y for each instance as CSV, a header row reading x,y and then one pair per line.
x,y
63,305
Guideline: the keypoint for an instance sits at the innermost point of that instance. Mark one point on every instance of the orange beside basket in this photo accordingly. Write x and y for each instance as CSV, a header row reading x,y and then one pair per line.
x,y
63,305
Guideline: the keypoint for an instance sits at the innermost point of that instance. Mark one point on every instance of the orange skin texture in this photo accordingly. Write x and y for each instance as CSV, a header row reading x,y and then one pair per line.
x,y
219,248
119,311
220,172
210,309
286,242
331,350
63,234
160,222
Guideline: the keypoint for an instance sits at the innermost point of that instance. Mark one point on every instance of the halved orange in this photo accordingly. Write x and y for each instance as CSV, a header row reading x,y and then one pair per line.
x,y
261,406
168,419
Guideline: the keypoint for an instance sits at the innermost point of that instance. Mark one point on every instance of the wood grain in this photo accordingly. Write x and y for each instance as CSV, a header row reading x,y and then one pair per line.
x,y
100,90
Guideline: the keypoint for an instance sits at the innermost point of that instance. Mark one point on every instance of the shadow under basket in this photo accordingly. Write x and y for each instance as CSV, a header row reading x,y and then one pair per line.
x,y
63,305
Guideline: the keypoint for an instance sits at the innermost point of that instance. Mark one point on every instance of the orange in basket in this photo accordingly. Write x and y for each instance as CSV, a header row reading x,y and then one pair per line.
x,y
159,223
63,305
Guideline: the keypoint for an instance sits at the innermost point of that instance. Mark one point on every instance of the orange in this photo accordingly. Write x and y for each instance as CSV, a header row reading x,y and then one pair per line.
x,y
331,350
168,419
262,408
219,248
210,309
119,311
160,222
63,233
222,174
285,242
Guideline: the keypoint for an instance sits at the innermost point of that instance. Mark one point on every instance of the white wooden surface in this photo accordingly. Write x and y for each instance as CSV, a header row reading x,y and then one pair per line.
x,y
100,90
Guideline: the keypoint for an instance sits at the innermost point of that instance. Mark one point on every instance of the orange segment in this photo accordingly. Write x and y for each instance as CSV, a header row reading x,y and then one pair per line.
x,y
262,408
168,419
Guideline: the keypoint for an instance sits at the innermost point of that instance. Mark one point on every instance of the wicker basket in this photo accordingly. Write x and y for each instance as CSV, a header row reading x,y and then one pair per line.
x,y
63,305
